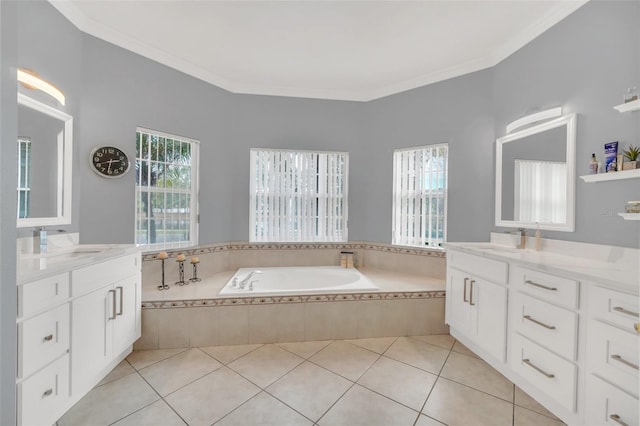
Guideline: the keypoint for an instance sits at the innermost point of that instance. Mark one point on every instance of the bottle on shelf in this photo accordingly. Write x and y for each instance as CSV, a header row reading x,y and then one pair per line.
x,y
593,165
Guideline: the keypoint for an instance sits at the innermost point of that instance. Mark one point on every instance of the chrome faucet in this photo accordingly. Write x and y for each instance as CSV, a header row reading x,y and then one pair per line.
x,y
246,279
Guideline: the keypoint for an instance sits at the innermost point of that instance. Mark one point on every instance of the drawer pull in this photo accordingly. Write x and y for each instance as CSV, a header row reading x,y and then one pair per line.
x,y
113,306
471,293
636,327
616,418
464,290
624,361
121,293
626,312
48,338
535,321
47,393
538,369
540,285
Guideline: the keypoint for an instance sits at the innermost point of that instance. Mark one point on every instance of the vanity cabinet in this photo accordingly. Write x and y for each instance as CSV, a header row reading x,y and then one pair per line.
x,y
73,328
477,307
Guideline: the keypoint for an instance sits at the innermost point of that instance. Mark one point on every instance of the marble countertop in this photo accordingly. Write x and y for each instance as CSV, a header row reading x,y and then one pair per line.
x,y
209,287
32,266
615,267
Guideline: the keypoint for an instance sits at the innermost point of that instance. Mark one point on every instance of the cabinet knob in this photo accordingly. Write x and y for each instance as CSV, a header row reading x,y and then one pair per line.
x,y
48,338
48,392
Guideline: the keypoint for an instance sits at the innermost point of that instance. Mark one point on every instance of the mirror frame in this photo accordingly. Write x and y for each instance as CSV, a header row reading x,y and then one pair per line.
x,y
569,120
64,165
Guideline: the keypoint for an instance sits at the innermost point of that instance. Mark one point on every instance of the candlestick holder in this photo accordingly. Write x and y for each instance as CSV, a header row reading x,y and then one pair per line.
x,y
195,278
163,285
181,280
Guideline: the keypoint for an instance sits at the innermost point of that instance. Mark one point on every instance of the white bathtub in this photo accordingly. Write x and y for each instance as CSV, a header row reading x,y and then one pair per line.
x,y
276,281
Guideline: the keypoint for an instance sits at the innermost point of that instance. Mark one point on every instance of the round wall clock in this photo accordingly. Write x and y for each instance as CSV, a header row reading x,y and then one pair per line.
x,y
109,161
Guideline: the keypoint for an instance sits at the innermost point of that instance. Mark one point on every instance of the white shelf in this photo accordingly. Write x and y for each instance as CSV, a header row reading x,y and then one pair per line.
x,y
630,216
601,177
629,106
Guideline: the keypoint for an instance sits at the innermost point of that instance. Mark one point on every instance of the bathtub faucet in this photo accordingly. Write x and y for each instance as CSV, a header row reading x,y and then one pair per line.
x,y
246,279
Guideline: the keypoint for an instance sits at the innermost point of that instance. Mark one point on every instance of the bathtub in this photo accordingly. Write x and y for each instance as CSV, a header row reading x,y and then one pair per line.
x,y
276,281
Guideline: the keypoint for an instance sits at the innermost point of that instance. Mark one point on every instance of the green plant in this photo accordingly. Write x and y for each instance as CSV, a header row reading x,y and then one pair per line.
x,y
632,153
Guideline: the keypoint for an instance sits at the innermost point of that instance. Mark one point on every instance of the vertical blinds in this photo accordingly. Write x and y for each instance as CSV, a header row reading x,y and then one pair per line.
x,y
540,191
24,177
420,196
298,196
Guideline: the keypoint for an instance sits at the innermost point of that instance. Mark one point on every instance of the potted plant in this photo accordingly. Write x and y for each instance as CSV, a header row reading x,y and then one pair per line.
x,y
632,154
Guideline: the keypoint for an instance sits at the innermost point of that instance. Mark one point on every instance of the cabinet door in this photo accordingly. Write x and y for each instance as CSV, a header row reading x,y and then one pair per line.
x,y
125,326
91,337
458,294
488,302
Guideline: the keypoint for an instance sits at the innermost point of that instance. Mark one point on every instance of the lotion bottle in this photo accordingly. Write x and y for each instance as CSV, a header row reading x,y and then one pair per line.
x,y
538,240
593,165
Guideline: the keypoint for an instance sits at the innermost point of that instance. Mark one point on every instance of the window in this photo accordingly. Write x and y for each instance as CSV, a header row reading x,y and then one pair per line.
x,y
298,196
166,190
24,177
420,196
540,191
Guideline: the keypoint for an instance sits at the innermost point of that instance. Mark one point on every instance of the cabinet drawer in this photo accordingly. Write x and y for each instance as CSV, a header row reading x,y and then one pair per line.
x,y
613,355
552,327
545,370
44,397
614,307
489,269
606,404
41,294
87,279
551,288
42,339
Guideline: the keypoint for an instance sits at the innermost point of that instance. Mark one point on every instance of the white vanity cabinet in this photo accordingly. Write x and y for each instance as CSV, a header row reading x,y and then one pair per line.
x,y
75,323
612,357
477,301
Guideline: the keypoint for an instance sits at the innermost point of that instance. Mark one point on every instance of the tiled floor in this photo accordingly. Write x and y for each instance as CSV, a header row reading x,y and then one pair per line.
x,y
421,380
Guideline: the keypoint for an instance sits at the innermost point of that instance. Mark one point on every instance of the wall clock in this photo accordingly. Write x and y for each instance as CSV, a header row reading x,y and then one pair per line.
x,y
109,161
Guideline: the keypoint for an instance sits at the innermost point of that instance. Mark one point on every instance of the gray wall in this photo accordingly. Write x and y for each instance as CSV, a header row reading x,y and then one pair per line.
x,y
585,63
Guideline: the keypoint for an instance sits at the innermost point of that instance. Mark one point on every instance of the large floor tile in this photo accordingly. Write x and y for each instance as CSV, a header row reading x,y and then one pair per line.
x,y
477,374
227,354
524,400
361,406
422,355
265,365
211,397
375,344
158,413
524,417
455,404
142,359
427,421
264,410
171,374
345,359
310,389
443,340
400,382
106,404
305,349
121,370
462,349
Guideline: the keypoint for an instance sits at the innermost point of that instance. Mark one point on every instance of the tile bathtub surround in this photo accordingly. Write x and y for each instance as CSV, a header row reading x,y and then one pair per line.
x,y
215,325
420,380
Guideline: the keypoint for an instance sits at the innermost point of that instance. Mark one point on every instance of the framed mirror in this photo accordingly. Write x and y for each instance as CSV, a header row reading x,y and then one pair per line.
x,y
45,147
535,176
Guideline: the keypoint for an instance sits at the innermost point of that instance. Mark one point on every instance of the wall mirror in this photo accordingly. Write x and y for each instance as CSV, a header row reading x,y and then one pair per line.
x,y
535,176
45,146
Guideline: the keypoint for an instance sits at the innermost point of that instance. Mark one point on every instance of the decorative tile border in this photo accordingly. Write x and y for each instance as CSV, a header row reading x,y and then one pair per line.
x,y
263,300
357,245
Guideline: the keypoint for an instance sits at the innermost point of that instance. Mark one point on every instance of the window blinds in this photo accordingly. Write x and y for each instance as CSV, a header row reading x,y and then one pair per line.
x,y
298,196
420,196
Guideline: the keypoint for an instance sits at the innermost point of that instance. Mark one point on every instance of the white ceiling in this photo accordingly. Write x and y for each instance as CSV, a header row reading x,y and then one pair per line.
x,y
350,50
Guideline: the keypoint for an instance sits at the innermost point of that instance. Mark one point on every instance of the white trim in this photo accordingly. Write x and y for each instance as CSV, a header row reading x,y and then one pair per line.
x,y
96,29
570,121
534,118
64,163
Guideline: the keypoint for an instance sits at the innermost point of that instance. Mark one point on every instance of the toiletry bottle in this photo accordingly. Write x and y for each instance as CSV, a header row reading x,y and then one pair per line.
x,y
593,165
538,240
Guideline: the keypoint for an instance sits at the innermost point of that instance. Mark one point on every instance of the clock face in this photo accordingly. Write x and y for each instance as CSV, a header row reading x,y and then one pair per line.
x,y
109,161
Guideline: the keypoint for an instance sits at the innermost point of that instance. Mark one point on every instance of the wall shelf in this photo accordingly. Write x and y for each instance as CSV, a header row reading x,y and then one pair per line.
x,y
629,106
601,177
630,216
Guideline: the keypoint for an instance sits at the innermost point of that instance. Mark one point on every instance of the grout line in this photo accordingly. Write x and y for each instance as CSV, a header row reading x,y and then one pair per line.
x,y
159,361
235,359
513,408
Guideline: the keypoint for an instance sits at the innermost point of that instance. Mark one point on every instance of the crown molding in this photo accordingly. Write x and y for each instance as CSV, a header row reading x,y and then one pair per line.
x,y
108,34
